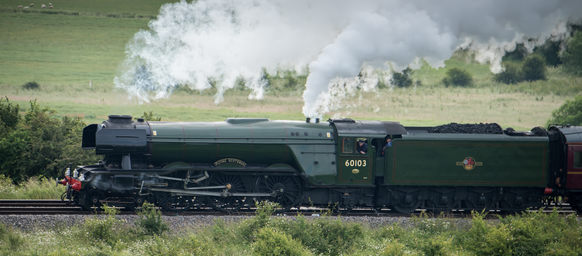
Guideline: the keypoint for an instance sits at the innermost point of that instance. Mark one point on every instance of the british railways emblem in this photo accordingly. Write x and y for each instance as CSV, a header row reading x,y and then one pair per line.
x,y
469,163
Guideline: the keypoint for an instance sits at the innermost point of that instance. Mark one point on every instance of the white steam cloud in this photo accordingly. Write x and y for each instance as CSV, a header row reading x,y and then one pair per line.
x,y
224,41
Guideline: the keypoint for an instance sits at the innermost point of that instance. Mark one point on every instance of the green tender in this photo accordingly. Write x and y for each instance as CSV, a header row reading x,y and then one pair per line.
x,y
439,159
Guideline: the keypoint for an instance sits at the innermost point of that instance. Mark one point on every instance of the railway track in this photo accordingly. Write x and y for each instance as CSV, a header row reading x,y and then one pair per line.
x,y
58,207
21,207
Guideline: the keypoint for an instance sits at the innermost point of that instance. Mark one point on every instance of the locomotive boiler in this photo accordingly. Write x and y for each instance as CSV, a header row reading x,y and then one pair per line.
x,y
233,164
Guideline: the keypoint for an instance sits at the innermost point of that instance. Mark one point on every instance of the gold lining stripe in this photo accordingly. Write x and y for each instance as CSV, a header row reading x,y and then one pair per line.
x,y
574,172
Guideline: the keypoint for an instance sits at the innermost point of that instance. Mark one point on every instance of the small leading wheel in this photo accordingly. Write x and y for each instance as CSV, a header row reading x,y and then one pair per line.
x,y
90,200
287,190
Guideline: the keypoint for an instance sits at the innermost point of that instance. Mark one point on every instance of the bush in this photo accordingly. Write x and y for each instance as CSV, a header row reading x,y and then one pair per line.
x,y
161,246
458,77
534,68
511,74
250,227
149,116
572,55
518,54
272,242
394,248
324,236
527,237
9,116
531,233
41,144
550,50
402,79
437,246
178,245
103,229
569,113
31,86
485,239
150,220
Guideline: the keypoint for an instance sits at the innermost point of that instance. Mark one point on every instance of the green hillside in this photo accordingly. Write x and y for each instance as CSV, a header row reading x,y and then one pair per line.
x,y
73,51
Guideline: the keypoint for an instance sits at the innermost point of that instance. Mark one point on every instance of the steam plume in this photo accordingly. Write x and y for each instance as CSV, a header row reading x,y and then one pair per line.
x,y
190,44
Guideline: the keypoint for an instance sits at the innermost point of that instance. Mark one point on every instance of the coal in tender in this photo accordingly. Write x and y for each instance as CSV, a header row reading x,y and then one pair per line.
x,y
481,128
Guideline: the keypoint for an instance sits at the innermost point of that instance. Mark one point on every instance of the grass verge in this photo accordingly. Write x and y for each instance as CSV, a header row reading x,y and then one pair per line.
x,y
532,233
34,188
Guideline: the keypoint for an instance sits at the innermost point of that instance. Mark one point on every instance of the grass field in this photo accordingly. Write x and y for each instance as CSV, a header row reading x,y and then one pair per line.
x,y
73,52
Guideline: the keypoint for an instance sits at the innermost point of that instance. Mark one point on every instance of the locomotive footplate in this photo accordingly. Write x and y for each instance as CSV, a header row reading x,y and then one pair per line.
x,y
210,193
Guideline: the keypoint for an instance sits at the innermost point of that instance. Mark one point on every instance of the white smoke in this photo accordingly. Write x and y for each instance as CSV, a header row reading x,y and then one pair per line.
x,y
190,44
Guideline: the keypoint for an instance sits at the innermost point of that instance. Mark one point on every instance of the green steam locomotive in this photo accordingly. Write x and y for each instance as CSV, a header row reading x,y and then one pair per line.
x,y
342,162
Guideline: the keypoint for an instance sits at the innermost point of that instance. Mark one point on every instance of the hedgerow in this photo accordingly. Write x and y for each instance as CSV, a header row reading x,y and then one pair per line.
x,y
38,143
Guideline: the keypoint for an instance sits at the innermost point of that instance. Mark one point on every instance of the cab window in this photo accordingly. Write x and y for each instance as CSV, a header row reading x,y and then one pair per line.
x,y
348,145
577,160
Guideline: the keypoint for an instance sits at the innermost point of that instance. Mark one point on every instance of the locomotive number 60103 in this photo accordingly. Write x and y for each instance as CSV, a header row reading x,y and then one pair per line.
x,y
354,163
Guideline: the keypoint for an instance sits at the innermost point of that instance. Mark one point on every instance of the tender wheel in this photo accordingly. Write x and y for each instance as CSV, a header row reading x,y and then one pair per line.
x,y
440,201
513,202
405,202
481,200
287,190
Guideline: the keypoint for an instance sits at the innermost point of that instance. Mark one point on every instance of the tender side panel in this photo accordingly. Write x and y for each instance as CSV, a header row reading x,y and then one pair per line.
x,y
487,162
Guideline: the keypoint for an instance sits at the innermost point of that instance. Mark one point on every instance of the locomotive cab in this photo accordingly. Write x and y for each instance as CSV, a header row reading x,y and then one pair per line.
x,y
355,168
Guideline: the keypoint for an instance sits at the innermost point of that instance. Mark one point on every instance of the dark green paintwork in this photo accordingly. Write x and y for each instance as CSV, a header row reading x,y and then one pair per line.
x,y
307,147
356,168
436,159
414,159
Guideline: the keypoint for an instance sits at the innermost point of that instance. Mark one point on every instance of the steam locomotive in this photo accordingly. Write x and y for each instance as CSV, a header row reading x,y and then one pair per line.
x,y
233,164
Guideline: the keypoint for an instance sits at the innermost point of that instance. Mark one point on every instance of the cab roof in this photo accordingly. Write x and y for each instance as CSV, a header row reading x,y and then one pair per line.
x,y
350,127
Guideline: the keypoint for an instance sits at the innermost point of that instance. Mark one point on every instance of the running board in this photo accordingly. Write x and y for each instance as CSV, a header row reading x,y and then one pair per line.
x,y
208,193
